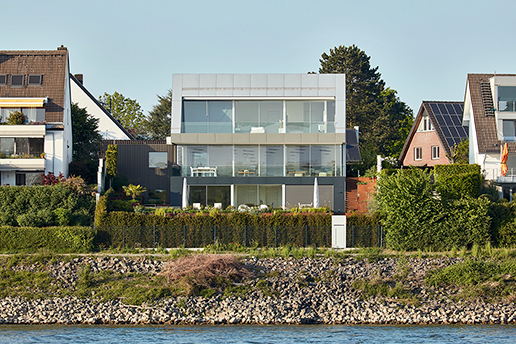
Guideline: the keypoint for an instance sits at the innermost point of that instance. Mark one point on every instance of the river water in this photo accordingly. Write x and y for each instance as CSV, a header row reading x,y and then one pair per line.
x,y
258,334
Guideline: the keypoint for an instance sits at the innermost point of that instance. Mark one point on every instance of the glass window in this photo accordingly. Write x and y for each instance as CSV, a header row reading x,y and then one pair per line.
x,y
7,146
246,161
6,112
435,152
506,98
21,145
246,116
271,161
3,79
17,80
246,194
220,117
270,195
36,147
195,118
197,195
35,79
158,160
323,160
194,157
271,116
418,155
219,195
298,161
221,157
298,119
508,128
34,114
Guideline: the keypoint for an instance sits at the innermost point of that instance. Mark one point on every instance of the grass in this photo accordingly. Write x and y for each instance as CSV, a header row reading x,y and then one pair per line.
x,y
487,279
377,286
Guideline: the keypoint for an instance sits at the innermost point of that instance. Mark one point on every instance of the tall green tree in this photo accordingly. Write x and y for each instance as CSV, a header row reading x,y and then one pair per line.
x,y
157,124
384,120
127,111
85,134
86,144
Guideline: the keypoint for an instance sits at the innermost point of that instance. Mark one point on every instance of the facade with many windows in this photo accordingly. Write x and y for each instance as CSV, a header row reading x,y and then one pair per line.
x,y
259,139
36,84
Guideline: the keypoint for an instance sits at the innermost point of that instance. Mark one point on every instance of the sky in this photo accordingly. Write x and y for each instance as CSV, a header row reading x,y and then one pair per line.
x,y
424,49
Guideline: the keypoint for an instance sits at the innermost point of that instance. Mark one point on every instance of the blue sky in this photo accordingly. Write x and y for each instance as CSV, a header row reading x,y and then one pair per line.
x,y
424,49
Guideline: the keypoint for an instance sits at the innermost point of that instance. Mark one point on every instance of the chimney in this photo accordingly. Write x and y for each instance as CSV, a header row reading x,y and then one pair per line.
x,y
79,78
62,47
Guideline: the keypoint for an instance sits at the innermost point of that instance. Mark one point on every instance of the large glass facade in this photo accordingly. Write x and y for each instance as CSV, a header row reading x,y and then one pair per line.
x,y
212,116
260,160
253,195
21,147
210,195
507,98
258,116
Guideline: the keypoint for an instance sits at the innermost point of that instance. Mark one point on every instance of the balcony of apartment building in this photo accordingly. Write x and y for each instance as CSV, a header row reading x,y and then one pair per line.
x,y
22,153
260,160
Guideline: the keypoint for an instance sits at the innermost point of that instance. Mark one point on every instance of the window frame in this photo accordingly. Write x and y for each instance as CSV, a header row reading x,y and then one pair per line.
x,y
40,80
418,153
435,149
6,77
22,80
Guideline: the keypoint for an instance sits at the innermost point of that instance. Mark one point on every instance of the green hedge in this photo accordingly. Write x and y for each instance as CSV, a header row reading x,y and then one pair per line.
x,y
458,180
417,218
68,239
44,205
197,230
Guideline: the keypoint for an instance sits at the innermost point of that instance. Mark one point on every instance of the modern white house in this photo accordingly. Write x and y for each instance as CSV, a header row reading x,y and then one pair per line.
x,y
109,127
259,139
490,113
37,84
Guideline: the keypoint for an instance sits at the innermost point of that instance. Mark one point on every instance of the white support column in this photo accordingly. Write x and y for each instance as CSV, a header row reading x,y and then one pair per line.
x,y
232,195
283,195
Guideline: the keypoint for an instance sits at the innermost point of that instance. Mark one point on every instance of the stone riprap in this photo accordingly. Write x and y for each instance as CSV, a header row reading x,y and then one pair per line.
x,y
304,290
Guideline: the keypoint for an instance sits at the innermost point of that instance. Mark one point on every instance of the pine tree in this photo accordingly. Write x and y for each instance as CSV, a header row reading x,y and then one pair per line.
x,y
157,124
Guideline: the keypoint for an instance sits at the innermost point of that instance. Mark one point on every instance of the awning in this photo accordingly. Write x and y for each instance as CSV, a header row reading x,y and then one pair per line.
x,y
22,102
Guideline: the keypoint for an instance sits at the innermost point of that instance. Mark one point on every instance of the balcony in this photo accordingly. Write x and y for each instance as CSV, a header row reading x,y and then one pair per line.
x,y
22,164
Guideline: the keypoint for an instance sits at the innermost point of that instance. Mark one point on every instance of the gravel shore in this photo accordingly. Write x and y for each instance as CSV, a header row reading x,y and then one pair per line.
x,y
297,291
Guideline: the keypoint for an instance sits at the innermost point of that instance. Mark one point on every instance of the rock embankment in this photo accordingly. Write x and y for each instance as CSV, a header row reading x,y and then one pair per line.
x,y
283,291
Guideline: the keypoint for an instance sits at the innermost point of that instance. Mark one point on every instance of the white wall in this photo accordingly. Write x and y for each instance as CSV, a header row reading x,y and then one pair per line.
x,y
108,129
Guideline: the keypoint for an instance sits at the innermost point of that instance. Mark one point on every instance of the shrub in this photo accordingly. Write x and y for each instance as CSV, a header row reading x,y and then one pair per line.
x,y
16,118
458,180
70,239
63,216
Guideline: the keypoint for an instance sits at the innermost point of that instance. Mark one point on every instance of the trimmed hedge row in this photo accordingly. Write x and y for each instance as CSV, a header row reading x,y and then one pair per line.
x,y
196,230
44,205
69,239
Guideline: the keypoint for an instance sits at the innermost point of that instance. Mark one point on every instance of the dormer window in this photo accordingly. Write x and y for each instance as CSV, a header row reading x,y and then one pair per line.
x,y
35,80
507,98
425,124
3,80
17,80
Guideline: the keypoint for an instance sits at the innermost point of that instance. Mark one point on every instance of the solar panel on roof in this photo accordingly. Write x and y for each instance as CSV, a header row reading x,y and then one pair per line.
x,y
440,120
448,120
435,109
453,132
351,137
442,108
353,153
450,108
456,120
446,132
458,108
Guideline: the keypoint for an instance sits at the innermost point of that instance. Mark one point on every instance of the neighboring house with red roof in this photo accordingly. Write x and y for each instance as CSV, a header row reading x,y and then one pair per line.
x,y
436,129
490,112
37,84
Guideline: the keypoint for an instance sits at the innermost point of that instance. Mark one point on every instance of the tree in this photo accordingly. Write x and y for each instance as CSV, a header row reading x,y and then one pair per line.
x,y
459,153
157,124
85,133
384,120
125,110
134,190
